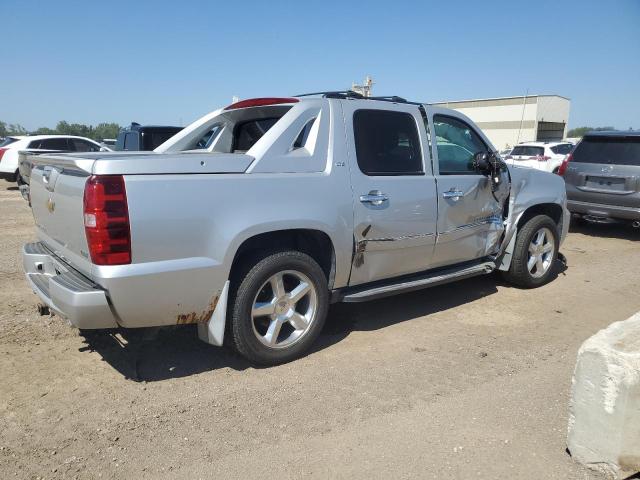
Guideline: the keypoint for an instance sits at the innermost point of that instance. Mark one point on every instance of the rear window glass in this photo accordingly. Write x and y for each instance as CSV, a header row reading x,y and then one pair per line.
x,y
8,141
248,133
153,139
528,151
611,150
562,149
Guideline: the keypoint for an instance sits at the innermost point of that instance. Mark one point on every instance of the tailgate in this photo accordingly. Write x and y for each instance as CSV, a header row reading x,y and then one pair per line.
x,y
57,190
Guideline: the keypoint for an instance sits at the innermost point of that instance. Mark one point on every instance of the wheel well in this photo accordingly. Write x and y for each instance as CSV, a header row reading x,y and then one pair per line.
x,y
314,243
552,210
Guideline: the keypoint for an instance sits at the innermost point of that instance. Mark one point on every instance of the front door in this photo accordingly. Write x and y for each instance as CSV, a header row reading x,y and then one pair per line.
x,y
394,191
470,211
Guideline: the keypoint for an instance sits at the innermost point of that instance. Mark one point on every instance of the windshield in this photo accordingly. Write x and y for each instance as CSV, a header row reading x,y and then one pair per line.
x,y
612,150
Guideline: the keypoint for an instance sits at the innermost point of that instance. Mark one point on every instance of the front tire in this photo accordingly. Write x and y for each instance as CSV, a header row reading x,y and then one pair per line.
x,y
279,308
535,253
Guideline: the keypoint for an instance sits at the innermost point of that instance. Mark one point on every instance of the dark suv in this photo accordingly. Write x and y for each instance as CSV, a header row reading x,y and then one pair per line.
x,y
144,137
602,177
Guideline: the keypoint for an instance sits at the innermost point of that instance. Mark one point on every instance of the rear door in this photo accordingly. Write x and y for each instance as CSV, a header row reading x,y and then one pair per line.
x,y
605,169
395,204
470,213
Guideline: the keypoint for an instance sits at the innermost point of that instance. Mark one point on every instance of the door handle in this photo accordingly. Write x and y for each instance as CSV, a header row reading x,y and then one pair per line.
x,y
453,194
374,197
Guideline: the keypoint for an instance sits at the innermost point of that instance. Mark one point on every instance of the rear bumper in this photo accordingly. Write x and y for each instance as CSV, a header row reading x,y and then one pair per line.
x,y
603,211
66,292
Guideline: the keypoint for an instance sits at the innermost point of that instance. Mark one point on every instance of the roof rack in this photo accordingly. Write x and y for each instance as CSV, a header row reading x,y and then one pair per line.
x,y
344,94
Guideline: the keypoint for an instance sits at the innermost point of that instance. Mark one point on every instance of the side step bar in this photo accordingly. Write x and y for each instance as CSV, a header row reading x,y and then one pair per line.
x,y
429,279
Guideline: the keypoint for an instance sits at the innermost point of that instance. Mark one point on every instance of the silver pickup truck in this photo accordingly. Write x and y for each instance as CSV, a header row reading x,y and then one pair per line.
x,y
253,219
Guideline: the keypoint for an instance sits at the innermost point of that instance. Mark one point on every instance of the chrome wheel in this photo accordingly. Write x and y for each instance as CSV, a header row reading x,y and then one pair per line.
x,y
284,309
541,250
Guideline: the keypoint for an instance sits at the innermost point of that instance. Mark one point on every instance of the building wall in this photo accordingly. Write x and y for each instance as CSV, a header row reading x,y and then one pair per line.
x,y
508,121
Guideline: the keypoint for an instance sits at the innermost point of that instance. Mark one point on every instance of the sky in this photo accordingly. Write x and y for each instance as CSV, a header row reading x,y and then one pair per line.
x,y
170,62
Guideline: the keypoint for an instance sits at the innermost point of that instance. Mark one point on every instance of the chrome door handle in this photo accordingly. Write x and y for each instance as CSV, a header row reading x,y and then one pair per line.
x,y
374,197
453,194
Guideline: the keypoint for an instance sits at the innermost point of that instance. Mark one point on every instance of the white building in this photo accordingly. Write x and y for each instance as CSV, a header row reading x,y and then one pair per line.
x,y
510,120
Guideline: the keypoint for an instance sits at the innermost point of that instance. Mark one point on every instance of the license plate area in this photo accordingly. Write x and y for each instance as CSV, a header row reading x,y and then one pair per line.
x,y
605,183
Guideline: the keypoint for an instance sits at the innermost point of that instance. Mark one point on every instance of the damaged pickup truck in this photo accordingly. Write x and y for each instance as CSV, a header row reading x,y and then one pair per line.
x,y
253,219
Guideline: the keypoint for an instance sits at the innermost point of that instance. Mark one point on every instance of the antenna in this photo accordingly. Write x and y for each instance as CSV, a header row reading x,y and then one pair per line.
x,y
365,89
524,102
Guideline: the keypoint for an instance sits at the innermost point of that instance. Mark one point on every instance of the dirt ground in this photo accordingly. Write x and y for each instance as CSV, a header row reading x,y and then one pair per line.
x,y
469,380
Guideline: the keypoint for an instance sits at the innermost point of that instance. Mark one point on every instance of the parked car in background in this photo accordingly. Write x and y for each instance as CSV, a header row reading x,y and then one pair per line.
x,y
292,203
10,148
504,153
138,137
602,177
547,156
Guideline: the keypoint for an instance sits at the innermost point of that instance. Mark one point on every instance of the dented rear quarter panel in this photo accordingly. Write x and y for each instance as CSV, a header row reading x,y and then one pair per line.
x,y
186,230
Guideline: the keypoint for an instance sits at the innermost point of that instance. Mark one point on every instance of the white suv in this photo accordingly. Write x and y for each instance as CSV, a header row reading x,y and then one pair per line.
x,y
10,147
547,156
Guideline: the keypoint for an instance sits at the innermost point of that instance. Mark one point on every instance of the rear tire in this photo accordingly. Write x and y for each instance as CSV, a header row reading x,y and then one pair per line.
x,y
533,263
279,307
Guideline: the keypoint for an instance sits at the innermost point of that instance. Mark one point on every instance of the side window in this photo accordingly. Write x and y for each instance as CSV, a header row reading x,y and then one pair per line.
x,y
208,138
387,143
457,144
54,144
301,139
83,146
131,141
35,144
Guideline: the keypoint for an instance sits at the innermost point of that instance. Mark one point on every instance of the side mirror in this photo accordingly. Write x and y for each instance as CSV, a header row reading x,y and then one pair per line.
x,y
481,163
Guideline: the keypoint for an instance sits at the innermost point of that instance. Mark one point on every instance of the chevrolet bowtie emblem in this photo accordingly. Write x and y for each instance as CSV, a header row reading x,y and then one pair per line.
x,y
51,205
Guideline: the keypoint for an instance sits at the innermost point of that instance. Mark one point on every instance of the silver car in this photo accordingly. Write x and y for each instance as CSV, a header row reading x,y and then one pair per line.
x,y
253,219
602,177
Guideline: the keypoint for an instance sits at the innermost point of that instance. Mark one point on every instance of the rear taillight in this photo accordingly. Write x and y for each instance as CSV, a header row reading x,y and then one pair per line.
x,y
563,165
2,150
106,220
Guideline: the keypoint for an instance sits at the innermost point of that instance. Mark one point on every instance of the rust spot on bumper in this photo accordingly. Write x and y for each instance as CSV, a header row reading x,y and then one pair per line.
x,y
202,317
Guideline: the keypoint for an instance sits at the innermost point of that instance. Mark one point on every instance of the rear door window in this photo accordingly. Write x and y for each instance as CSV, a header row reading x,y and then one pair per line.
x,y
54,144
83,145
562,149
387,143
610,150
528,151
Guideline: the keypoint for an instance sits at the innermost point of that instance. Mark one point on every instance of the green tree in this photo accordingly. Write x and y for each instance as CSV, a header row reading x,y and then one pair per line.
x,y
580,131
106,130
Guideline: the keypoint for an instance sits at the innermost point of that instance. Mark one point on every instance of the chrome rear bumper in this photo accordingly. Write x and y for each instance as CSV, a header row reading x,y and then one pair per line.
x,y
66,292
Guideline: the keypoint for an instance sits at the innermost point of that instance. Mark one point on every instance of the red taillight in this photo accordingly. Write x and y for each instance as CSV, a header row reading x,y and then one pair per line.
x,y
260,102
2,150
106,220
563,165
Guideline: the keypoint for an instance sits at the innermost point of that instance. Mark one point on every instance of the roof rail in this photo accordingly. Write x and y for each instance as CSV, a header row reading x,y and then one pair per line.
x,y
351,94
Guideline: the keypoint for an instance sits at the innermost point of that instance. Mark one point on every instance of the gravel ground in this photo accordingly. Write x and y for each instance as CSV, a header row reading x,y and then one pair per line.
x,y
469,380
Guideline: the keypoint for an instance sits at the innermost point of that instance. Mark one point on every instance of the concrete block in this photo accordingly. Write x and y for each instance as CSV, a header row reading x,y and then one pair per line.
x,y
604,416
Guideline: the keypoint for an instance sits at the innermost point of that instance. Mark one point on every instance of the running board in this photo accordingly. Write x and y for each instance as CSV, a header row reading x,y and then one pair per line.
x,y
430,279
